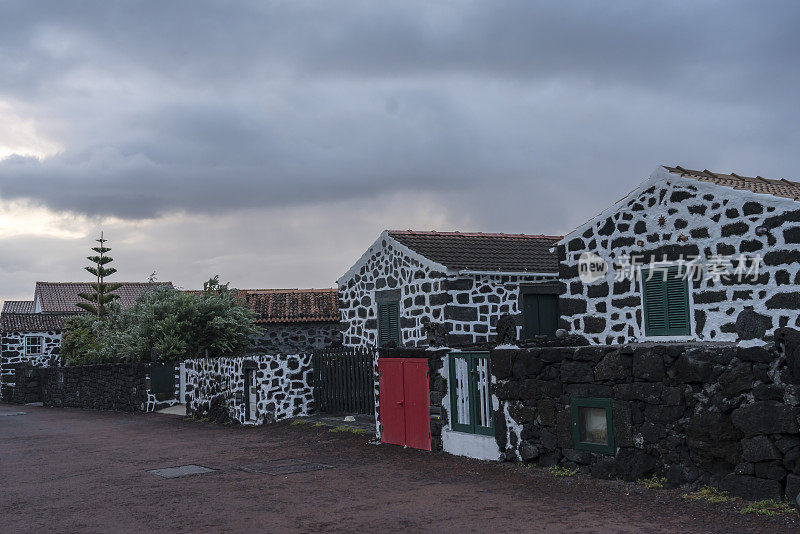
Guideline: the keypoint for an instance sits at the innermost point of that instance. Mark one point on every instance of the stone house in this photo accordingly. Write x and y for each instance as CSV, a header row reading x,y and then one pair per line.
x,y
294,320
30,330
414,288
681,257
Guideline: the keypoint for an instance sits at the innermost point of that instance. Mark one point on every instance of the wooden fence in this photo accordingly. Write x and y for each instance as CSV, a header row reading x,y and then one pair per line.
x,y
344,381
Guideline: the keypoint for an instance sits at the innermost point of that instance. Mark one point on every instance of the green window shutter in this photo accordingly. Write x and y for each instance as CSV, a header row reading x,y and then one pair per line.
x,y
548,314
388,322
677,289
540,315
666,302
530,315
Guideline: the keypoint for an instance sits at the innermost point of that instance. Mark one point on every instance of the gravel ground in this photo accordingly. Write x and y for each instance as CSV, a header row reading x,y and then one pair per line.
x,y
66,470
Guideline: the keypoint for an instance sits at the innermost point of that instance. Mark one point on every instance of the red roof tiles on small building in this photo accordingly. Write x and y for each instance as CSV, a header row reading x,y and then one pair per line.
x,y
293,305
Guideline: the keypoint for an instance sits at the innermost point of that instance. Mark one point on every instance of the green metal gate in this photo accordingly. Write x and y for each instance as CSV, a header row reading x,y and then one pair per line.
x,y
344,381
162,378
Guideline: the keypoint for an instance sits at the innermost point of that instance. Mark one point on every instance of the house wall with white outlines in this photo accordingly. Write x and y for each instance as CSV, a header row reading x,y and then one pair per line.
x,y
13,354
672,215
284,386
468,305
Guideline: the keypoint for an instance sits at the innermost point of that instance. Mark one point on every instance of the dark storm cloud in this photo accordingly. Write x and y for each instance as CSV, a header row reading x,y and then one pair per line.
x,y
558,106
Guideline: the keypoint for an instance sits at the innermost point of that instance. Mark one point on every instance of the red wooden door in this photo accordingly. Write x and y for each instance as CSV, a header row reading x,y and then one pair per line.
x,y
390,386
404,401
417,401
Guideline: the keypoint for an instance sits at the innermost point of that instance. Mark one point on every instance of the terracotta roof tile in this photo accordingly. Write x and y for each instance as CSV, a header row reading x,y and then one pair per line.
x,y
18,306
32,322
779,188
293,305
59,297
484,252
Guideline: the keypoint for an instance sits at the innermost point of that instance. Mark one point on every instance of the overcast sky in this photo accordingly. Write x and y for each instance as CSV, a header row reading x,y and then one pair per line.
x,y
271,142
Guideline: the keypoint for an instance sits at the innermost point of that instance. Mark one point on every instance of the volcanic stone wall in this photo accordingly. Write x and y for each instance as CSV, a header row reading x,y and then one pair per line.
x,y
100,387
467,306
13,354
215,387
679,216
290,338
695,413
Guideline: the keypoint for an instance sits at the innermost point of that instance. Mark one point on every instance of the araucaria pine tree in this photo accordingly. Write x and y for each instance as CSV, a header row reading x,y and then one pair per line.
x,y
102,295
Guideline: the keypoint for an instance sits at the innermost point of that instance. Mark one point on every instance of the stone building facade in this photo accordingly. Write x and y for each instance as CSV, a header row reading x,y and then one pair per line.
x,y
447,287
721,225
17,348
294,320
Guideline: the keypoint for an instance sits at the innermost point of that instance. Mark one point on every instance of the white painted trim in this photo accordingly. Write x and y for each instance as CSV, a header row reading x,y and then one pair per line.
x,y
643,327
553,276
376,246
475,446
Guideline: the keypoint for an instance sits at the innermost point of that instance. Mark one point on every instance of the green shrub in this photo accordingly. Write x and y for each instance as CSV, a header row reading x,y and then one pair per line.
x,y
80,342
652,482
557,471
167,325
768,507
707,493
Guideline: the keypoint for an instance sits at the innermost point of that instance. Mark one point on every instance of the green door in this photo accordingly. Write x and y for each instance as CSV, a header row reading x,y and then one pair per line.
x,y
540,314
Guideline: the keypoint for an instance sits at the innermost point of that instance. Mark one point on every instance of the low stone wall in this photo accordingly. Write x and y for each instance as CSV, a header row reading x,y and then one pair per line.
x,y
100,387
694,413
28,384
215,387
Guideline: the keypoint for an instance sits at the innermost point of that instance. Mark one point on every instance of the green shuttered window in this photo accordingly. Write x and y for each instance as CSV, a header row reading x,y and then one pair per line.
x,y
666,302
539,314
388,323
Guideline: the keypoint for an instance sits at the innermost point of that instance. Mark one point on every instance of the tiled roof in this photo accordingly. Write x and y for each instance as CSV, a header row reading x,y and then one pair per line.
x,y
18,306
779,188
484,252
59,297
293,305
32,322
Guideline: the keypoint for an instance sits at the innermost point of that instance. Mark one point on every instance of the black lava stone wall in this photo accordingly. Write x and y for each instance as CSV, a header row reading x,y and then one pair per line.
x,y
694,413
100,387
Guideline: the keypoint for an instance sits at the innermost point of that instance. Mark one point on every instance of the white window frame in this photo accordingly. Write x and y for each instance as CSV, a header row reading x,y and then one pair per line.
x,y
28,346
689,287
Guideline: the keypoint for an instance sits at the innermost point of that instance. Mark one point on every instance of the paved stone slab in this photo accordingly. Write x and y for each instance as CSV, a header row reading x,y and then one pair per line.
x,y
181,471
284,466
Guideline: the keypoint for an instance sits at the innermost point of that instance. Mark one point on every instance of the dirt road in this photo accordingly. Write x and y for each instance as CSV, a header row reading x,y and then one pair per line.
x,y
64,470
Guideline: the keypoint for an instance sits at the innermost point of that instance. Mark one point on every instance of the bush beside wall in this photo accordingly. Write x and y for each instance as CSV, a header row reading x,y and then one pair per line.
x,y
696,413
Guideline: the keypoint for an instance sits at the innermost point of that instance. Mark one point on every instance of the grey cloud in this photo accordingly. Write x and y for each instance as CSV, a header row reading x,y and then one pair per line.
x,y
218,106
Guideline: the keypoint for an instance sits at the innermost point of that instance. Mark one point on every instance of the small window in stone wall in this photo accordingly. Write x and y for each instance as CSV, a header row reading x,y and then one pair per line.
x,y
593,425
33,345
388,323
666,301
